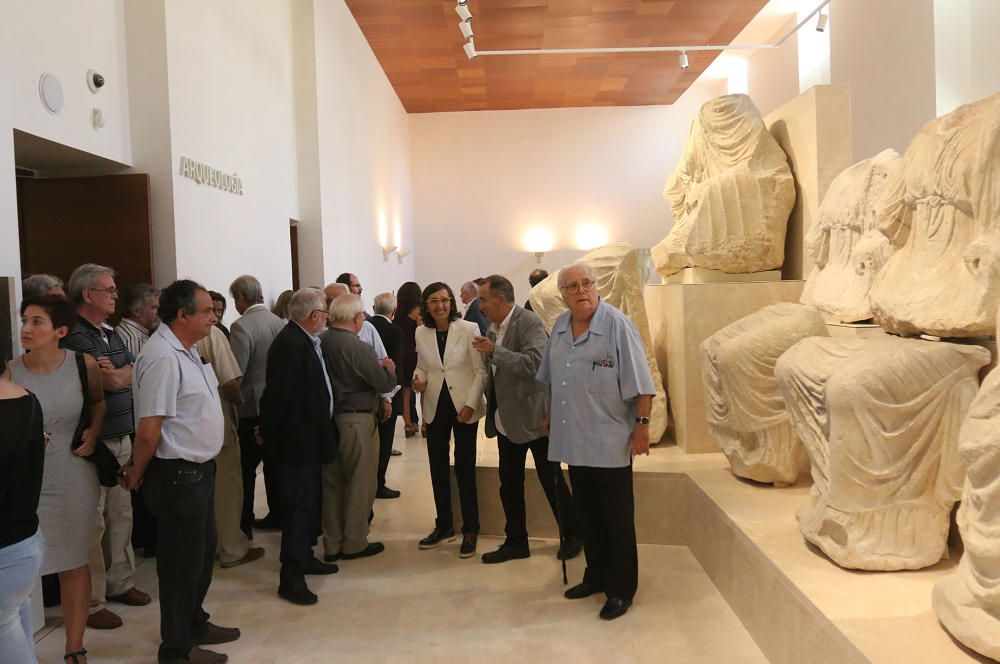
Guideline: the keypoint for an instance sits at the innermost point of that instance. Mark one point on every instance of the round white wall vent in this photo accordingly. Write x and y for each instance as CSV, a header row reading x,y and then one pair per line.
x,y
51,92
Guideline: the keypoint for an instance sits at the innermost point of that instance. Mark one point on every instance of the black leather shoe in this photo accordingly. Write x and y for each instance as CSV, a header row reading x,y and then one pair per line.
x,y
468,548
615,608
505,553
385,493
214,634
373,548
436,537
580,591
269,522
395,452
317,567
298,595
571,548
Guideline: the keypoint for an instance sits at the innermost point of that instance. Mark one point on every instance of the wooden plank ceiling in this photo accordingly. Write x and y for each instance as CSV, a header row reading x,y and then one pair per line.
x,y
419,46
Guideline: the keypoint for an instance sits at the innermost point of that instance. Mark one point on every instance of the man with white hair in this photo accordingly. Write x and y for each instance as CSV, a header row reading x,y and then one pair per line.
x,y
112,561
358,378
251,337
601,395
41,284
392,339
296,421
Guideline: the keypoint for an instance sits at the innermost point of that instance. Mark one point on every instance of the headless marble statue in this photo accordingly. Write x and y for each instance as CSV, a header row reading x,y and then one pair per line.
x,y
880,416
967,602
745,410
622,272
730,195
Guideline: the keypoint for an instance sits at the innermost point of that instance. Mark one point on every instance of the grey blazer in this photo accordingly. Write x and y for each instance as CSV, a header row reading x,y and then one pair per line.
x,y
511,387
250,337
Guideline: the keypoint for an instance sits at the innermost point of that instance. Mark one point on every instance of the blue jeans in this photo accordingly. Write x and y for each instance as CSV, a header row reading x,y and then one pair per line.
x,y
19,565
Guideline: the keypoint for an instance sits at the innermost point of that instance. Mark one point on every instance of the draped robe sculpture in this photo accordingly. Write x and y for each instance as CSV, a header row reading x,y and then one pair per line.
x,y
745,410
880,416
730,195
622,272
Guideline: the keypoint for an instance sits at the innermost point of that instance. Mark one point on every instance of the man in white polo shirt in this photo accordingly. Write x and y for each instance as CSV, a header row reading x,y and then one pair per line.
x,y
179,432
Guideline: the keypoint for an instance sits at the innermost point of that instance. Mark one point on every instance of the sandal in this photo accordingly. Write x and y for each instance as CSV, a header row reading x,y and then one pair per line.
x,y
410,430
74,657
423,430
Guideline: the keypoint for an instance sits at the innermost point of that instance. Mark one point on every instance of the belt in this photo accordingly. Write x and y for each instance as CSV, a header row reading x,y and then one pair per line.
x,y
353,412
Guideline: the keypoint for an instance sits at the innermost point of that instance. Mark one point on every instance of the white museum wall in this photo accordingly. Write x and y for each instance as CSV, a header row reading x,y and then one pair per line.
x,y
773,74
229,76
967,55
884,51
483,179
364,157
76,37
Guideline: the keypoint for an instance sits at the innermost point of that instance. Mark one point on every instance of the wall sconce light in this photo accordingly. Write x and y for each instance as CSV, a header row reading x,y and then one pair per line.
x,y
538,241
386,251
401,254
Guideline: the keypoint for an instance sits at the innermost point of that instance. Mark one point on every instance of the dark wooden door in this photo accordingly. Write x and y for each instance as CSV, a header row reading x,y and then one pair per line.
x,y
65,222
294,232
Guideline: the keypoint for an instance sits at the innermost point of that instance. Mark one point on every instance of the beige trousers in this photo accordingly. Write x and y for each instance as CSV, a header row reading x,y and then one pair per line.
x,y
349,485
233,543
112,561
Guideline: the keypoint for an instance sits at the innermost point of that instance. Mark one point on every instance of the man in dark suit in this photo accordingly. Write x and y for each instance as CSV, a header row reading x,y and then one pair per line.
x,y
537,276
392,339
296,421
469,294
517,404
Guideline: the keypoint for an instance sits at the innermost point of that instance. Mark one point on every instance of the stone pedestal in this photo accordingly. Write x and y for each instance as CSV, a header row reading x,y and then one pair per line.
x,y
814,130
681,316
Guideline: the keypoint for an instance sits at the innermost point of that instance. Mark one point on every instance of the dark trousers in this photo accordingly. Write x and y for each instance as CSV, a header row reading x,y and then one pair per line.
x,y
438,438
512,458
301,498
181,495
251,456
606,509
386,431
143,526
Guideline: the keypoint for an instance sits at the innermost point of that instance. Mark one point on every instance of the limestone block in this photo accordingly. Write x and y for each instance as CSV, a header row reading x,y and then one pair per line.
x,y
967,602
940,210
879,417
845,244
730,195
746,414
622,272
682,316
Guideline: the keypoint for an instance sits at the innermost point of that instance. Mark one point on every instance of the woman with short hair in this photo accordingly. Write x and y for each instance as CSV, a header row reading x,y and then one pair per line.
x,y
70,488
451,375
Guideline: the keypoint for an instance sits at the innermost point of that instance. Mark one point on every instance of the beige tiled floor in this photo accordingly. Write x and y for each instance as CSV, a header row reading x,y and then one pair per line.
x,y
408,605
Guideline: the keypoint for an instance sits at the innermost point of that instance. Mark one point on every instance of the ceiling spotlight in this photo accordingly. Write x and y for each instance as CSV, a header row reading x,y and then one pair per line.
x,y
466,28
821,22
470,49
684,60
462,9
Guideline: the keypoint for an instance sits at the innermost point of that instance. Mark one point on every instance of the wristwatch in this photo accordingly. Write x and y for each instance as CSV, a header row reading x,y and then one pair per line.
x,y
642,420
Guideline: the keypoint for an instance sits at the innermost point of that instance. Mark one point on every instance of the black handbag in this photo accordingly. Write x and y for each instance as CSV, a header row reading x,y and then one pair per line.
x,y
106,463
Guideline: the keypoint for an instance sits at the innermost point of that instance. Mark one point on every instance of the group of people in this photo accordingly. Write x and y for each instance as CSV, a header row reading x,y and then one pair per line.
x,y
183,411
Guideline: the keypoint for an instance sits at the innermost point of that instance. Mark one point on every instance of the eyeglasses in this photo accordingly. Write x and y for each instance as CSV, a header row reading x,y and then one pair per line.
x,y
109,291
321,311
435,301
584,286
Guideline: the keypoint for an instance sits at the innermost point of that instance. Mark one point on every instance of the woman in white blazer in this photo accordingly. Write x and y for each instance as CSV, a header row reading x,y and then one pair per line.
x,y
451,377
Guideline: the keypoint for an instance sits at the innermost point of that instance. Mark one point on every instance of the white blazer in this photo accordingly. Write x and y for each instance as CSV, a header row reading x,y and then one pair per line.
x,y
464,367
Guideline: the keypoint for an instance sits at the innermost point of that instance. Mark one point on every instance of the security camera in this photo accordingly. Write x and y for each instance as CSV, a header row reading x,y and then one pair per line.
x,y
95,81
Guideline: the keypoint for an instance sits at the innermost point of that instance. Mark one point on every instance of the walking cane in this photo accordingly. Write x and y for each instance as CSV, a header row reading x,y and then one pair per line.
x,y
559,517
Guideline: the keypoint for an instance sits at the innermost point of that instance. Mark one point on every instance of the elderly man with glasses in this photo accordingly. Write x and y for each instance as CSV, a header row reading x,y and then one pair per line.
x,y
601,395
296,420
112,561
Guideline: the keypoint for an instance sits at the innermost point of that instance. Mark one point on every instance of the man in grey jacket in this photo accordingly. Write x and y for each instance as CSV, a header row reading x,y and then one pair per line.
x,y
250,337
517,404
